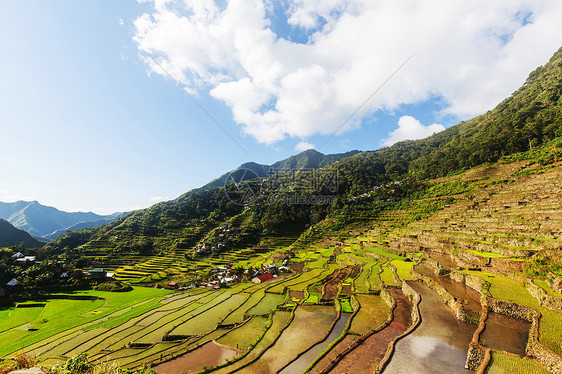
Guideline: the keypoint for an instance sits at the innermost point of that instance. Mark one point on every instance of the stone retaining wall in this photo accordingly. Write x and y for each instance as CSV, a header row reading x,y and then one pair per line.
x,y
477,354
511,309
539,352
545,300
471,281
387,297
460,312
416,319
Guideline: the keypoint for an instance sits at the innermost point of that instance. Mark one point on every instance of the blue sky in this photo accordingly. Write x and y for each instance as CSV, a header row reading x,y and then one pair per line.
x,y
84,126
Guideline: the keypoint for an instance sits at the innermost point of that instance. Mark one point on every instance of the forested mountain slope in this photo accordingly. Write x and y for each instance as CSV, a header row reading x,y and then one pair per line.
x,y
529,119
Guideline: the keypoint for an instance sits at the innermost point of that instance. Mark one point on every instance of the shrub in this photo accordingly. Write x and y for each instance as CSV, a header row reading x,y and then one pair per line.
x,y
21,361
114,286
75,365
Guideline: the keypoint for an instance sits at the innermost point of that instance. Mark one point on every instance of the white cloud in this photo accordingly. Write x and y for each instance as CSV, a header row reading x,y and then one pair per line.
x,y
10,197
410,128
120,22
157,199
303,146
470,55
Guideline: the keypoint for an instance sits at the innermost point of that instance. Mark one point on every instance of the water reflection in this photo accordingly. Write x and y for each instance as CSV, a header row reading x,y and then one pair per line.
x,y
438,345
300,364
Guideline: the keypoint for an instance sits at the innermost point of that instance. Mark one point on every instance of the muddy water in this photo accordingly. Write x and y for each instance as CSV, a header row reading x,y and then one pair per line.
x,y
438,345
210,354
296,294
300,364
424,269
470,297
505,333
444,260
366,357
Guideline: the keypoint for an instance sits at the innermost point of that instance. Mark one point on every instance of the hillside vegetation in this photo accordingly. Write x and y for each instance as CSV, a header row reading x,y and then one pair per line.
x,y
11,236
470,219
529,119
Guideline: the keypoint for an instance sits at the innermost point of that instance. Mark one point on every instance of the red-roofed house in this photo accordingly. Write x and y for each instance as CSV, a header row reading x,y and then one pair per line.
x,y
262,278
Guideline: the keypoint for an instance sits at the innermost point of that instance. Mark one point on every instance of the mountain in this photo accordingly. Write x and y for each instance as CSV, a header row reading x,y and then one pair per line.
x,y
309,159
47,222
530,120
10,236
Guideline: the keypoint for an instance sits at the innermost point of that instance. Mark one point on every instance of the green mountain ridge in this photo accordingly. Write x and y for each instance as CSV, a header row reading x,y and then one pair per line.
x,y
529,119
309,159
11,236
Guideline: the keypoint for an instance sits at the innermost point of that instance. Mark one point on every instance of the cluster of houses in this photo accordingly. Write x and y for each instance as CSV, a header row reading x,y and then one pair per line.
x,y
219,241
20,258
23,259
221,276
376,189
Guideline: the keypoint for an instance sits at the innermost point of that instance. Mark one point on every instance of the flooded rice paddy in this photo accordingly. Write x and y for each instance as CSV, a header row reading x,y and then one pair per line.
x,y
438,345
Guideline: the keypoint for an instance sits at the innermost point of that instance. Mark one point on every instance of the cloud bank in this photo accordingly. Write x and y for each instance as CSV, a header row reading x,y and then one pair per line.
x,y
410,128
469,55
303,146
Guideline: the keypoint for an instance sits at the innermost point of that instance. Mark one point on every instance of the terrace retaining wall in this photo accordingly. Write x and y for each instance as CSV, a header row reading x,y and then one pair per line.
x,y
539,352
416,319
387,297
545,300
471,281
511,309
460,312
476,353
534,349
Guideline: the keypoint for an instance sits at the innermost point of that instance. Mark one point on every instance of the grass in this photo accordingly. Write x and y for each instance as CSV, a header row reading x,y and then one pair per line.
x,y
297,337
246,335
403,269
302,278
237,315
346,306
374,279
373,313
62,319
486,254
386,254
387,277
313,297
268,304
502,363
279,321
13,317
544,285
207,320
507,289
361,284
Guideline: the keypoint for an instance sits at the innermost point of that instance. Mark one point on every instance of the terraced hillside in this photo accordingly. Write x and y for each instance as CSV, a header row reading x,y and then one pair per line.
x,y
353,304
442,254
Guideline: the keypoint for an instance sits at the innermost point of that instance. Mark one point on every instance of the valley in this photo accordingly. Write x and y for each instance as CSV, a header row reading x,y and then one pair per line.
x,y
436,255
458,283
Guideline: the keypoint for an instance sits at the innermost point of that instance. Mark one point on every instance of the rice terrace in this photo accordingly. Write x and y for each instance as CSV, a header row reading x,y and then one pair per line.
x,y
437,253
354,304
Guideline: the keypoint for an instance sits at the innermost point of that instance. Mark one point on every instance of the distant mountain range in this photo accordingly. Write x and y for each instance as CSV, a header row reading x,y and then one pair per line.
x,y
9,236
46,223
309,159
